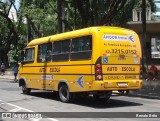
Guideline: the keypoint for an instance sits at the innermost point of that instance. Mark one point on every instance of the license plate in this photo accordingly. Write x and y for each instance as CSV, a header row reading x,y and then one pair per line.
x,y
122,84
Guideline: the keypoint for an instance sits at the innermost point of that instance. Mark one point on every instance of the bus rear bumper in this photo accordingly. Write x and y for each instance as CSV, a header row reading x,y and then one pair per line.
x,y
117,85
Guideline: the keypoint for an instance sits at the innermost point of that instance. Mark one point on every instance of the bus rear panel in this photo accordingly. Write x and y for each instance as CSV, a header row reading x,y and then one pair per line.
x,y
118,66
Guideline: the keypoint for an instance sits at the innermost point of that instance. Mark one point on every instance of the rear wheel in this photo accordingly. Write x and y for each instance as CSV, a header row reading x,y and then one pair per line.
x,y
55,93
65,95
25,90
124,92
105,96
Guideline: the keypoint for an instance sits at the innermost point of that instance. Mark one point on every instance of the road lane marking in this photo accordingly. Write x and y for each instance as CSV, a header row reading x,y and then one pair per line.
x,y
15,110
31,119
35,119
19,107
52,119
2,103
42,118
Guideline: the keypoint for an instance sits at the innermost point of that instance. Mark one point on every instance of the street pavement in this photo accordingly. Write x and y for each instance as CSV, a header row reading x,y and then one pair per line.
x,y
12,100
148,89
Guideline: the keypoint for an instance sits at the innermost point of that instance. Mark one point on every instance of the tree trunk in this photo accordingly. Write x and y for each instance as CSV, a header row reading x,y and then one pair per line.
x,y
143,41
4,58
59,8
28,31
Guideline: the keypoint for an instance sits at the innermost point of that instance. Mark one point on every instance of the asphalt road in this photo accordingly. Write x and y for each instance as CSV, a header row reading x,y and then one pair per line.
x,y
118,107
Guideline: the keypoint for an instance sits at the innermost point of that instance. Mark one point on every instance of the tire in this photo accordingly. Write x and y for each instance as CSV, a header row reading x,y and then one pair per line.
x,y
124,92
56,95
65,95
25,90
103,97
96,97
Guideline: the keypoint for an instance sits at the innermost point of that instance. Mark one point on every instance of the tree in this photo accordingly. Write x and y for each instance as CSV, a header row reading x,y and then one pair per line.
x,y
8,31
143,42
106,12
46,17
40,17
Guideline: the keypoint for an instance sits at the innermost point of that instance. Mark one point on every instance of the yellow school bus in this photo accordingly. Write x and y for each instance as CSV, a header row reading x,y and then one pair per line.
x,y
94,60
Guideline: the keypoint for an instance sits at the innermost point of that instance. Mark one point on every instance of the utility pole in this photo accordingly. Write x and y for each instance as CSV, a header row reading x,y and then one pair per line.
x,y
143,41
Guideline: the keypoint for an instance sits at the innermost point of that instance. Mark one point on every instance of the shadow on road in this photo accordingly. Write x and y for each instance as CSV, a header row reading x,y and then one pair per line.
x,y
89,101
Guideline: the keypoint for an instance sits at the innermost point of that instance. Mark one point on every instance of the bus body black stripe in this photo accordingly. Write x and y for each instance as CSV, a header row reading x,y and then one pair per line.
x,y
82,65
78,74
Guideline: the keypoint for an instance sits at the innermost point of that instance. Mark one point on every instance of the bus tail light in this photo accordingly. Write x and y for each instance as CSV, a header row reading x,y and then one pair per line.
x,y
98,65
99,77
98,69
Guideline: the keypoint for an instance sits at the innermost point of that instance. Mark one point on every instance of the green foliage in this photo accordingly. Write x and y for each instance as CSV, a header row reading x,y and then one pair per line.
x,y
41,15
15,53
45,17
125,14
149,3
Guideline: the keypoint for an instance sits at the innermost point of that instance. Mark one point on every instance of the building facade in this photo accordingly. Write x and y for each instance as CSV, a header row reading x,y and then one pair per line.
x,y
152,32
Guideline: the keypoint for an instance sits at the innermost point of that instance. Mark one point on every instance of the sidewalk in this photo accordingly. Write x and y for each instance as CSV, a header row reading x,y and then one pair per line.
x,y
146,93
8,75
149,89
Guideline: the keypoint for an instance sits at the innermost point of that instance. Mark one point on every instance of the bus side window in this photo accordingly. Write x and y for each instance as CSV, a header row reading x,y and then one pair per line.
x,y
81,48
61,50
44,52
75,45
87,45
29,55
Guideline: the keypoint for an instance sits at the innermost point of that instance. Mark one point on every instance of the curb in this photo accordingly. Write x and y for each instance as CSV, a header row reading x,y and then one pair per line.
x,y
131,94
145,93
7,77
143,96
